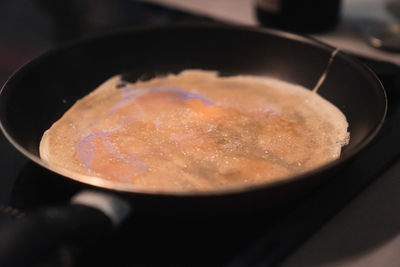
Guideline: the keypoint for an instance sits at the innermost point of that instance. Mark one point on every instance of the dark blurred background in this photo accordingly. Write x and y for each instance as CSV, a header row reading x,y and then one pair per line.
x,y
31,27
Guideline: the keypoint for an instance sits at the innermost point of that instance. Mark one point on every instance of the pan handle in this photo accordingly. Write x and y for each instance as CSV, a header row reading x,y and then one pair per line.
x,y
91,216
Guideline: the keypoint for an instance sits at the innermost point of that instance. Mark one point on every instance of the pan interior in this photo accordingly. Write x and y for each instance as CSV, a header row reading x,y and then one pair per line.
x,y
39,93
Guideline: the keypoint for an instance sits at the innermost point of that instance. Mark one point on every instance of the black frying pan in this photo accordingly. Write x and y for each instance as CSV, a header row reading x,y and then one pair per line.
x,y
41,91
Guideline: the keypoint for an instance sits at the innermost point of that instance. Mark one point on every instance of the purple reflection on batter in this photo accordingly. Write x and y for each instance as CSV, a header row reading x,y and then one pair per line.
x,y
86,152
132,159
85,146
130,93
86,149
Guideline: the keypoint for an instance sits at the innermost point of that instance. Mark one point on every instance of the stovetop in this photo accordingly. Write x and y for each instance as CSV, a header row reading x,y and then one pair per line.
x,y
31,27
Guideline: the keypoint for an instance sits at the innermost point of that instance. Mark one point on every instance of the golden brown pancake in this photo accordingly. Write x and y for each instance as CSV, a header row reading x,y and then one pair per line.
x,y
195,131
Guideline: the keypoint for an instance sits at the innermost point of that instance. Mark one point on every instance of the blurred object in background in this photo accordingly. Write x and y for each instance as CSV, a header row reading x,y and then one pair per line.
x,y
393,6
305,16
381,34
380,27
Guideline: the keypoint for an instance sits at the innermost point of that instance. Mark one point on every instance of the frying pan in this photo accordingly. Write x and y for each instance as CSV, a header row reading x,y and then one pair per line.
x,y
42,90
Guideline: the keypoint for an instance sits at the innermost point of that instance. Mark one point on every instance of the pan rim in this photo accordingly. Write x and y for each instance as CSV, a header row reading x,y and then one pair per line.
x,y
128,188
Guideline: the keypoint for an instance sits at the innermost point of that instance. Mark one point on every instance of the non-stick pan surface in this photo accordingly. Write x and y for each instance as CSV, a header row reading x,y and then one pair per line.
x,y
42,90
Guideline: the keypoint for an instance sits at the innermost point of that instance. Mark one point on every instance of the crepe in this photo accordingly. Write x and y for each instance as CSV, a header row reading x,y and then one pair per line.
x,y
195,131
